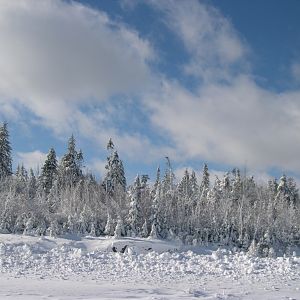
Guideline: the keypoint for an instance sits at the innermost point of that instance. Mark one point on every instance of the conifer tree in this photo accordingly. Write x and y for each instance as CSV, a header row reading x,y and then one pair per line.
x,y
184,187
21,173
169,178
194,187
115,175
32,184
5,152
71,163
204,186
134,214
49,171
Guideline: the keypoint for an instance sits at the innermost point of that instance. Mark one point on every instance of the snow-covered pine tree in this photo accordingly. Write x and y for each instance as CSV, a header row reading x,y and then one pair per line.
x,y
5,152
185,203
184,186
49,171
194,188
204,186
21,173
237,185
292,191
32,185
155,202
115,175
168,179
134,214
71,164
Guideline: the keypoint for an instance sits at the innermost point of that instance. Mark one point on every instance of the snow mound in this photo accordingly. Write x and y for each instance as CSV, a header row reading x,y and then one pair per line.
x,y
129,259
139,268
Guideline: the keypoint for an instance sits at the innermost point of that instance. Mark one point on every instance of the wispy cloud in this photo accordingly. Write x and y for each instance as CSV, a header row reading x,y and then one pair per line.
x,y
214,46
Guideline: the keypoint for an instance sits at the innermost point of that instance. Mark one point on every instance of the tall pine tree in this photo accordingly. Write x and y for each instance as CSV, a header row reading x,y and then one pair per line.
x,y
71,163
115,175
49,171
5,152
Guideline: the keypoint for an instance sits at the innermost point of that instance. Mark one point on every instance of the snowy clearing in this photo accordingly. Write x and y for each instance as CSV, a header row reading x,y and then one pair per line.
x,y
89,268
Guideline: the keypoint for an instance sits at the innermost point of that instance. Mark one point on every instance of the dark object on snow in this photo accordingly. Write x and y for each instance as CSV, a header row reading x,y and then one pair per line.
x,y
114,249
123,249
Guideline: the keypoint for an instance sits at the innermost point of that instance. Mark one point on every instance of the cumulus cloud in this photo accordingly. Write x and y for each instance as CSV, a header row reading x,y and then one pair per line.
x,y
57,54
234,123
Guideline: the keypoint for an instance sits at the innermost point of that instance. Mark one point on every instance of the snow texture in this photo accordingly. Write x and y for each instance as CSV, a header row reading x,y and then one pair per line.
x,y
136,268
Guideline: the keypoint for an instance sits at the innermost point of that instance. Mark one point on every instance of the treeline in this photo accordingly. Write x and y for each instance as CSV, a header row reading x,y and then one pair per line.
x,y
233,210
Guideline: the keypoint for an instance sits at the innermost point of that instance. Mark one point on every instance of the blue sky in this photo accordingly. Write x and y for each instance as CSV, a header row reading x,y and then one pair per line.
x,y
198,81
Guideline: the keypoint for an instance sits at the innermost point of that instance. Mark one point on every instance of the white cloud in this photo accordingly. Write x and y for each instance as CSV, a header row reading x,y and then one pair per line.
x,y
56,55
60,58
234,123
97,166
209,37
34,159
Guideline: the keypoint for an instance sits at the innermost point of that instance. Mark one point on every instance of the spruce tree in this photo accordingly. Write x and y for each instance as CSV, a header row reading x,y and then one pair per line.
x,y
5,152
184,186
169,178
71,163
49,171
204,186
115,175
134,215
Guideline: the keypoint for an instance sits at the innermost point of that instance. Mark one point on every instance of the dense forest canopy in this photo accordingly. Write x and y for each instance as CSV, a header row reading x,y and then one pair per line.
x,y
61,199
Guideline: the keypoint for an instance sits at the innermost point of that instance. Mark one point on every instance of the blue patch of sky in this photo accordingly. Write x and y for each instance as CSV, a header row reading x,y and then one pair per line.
x,y
272,29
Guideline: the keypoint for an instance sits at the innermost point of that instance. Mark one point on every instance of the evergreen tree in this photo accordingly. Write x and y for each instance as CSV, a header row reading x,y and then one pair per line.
x,y
156,198
194,188
115,175
49,171
204,186
134,214
71,163
5,152
32,185
184,186
21,173
168,179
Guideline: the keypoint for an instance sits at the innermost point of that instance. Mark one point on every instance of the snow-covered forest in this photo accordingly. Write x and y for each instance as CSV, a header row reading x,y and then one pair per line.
x,y
61,199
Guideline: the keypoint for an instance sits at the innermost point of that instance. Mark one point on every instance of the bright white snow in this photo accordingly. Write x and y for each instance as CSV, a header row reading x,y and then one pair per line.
x,y
88,268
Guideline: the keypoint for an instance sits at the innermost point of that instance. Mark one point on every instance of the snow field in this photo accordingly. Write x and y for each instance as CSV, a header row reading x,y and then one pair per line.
x,y
163,266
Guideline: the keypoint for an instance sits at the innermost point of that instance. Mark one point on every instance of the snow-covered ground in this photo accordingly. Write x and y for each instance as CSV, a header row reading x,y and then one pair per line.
x,y
95,268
